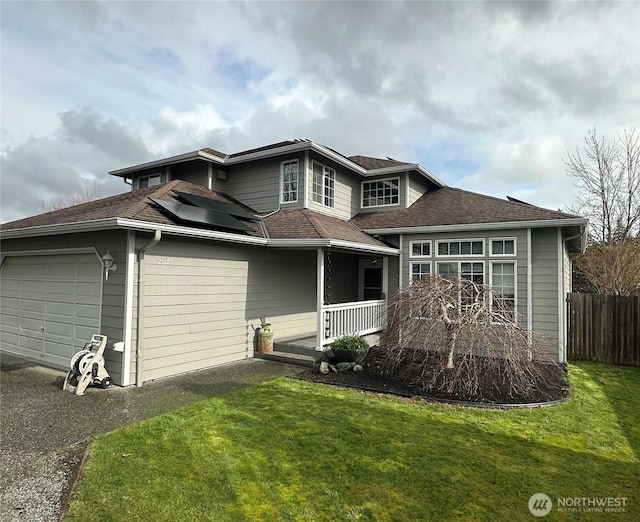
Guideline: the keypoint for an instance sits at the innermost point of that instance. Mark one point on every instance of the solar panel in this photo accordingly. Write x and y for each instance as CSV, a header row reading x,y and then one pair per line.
x,y
202,216
215,205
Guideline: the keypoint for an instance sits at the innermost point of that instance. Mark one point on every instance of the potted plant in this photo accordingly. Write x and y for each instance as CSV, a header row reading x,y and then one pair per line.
x,y
350,348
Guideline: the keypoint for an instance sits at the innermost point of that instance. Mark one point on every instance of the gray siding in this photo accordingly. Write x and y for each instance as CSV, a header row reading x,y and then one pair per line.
x,y
218,179
347,190
545,281
196,172
394,272
417,187
113,290
258,184
203,299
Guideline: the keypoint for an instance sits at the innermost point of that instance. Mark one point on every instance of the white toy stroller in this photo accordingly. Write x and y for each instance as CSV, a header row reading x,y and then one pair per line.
x,y
87,367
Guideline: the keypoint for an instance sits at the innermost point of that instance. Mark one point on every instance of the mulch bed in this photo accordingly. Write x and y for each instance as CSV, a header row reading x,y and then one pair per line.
x,y
370,379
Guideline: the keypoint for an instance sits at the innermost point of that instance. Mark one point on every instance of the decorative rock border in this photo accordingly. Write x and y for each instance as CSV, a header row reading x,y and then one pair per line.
x,y
451,402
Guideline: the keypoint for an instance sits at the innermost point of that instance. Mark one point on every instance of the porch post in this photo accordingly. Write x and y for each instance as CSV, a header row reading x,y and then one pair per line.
x,y
320,299
385,277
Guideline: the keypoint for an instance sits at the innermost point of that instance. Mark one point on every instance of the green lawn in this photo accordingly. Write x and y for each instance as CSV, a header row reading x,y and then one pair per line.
x,y
291,450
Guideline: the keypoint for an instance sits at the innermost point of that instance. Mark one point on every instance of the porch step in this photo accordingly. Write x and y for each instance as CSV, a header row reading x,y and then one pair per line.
x,y
288,357
304,346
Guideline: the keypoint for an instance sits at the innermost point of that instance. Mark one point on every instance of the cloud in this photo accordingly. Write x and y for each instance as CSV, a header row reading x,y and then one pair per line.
x,y
80,152
173,132
487,95
531,170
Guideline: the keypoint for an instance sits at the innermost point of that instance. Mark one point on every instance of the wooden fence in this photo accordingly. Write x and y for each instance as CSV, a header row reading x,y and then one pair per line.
x,y
603,328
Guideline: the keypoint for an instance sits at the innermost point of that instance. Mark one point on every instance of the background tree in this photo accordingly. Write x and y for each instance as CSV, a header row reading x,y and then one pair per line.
x,y
87,194
608,175
609,268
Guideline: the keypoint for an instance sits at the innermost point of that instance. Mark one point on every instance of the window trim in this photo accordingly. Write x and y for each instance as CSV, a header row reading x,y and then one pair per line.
x,y
148,177
459,256
326,170
460,261
412,263
362,205
495,239
459,273
515,285
282,164
421,256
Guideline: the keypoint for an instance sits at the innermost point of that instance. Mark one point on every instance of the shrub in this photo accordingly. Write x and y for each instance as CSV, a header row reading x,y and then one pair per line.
x,y
450,338
350,343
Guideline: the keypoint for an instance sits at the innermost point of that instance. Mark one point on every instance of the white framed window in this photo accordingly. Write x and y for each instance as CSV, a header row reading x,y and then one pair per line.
x,y
419,270
289,181
466,270
419,248
149,181
502,246
503,289
324,184
460,247
381,192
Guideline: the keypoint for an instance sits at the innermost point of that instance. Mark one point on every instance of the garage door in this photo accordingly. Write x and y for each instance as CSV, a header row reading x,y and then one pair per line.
x,y
50,305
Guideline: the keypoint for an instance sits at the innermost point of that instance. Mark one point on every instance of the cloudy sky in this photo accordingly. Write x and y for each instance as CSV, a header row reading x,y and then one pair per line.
x,y
488,96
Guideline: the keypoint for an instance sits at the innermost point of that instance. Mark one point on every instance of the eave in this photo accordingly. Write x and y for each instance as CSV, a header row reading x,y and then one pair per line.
x,y
432,229
407,167
332,243
279,151
187,156
177,230
128,224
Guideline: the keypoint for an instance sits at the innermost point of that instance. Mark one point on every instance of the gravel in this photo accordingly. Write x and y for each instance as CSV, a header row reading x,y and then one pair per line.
x,y
36,489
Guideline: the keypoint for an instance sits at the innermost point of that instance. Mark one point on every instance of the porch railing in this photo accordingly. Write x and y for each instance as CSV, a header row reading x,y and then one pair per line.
x,y
360,318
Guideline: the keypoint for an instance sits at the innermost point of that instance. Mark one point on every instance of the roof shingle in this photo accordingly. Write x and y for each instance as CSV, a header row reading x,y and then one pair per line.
x,y
307,224
134,205
451,206
375,163
266,147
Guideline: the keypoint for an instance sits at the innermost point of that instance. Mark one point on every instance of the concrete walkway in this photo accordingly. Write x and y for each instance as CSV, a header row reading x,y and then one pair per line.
x,y
43,430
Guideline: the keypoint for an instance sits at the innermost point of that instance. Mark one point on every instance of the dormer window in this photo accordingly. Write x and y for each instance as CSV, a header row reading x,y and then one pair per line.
x,y
289,181
324,181
148,181
381,192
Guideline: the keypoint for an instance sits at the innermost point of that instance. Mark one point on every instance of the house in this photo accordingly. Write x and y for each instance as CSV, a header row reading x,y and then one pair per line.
x,y
183,266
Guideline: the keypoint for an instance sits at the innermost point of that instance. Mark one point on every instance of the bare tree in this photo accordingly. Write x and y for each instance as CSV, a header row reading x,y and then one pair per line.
x,y
608,175
457,339
87,194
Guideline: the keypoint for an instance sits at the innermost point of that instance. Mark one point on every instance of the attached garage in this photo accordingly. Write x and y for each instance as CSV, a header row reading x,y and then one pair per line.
x,y
50,304
202,301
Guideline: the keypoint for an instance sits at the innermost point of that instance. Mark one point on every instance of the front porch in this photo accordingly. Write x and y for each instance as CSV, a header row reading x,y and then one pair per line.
x,y
351,299
302,351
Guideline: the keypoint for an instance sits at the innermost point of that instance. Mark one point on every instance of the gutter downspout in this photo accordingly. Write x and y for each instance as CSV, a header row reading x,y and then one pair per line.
x,y
140,323
562,307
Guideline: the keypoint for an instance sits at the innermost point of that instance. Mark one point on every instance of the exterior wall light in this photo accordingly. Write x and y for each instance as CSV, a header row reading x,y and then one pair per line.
x,y
109,265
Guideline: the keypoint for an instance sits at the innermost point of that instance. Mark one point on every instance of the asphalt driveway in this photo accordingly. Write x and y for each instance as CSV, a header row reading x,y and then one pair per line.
x,y
44,432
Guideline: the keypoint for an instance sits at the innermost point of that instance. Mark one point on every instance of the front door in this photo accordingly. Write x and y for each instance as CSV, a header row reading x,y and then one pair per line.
x,y
370,281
